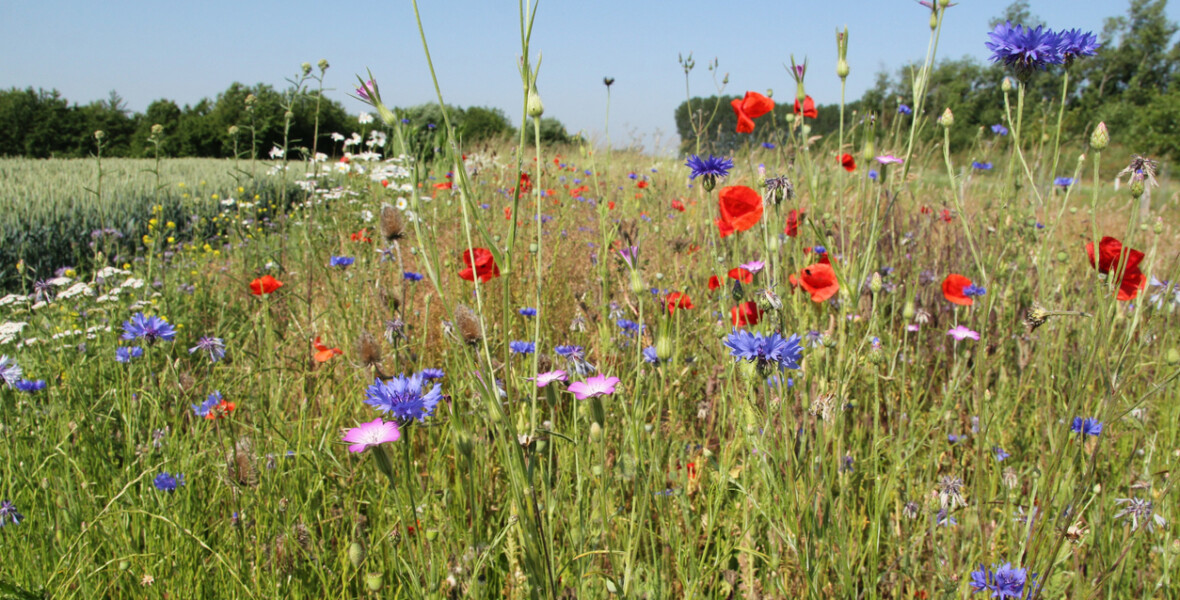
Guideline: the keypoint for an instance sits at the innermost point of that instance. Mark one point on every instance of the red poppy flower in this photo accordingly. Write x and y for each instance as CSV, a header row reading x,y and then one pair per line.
x,y
526,183
848,162
361,236
577,192
714,283
678,205
384,183
221,410
610,205
741,207
724,228
746,313
480,262
324,353
792,228
678,300
446,185
952,290
820,281
808,108
946,215
641,185
740,274
265,285
1133,281
1110,253
507,213
751,107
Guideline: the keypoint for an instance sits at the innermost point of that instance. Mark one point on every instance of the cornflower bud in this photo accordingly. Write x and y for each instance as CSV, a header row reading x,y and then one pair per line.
x,y
323,64
947,119
1100,138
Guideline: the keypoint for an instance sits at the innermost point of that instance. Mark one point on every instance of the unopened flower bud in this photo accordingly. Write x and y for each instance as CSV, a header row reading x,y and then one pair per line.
x,y
288,115
251,99
1100,138
842,69
356,554
1006,85
306,68
99,134
1158,228
875,283
1172,357
637,285
323,64
157,129
933,20
664,347
1136,187
535,107
233,130
805,130
909,311
595,432
947,119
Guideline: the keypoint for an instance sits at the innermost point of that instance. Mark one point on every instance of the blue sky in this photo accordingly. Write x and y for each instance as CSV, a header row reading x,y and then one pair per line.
x,y
188,50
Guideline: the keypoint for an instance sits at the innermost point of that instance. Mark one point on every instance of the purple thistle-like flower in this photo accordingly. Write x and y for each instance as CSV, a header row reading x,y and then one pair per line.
x,y
712,167
10,372
765,351
124,354
203,409
9,515
1087,426
28,386
213,346
1076,43
403,396
1025,49
151,329
1004,581
373,433
167,482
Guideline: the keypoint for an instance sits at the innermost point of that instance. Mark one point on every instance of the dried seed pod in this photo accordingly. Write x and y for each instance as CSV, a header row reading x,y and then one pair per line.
x,y
392,226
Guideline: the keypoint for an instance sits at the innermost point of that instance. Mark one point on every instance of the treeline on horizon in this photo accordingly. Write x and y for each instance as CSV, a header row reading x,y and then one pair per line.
x,y
1131,85
43,124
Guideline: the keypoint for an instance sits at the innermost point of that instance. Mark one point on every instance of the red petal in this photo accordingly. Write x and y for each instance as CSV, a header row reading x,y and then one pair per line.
x,y
755,105
740,206
952,289
820,281
744,123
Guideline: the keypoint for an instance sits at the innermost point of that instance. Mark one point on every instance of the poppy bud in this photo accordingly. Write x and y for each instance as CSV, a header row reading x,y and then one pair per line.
x,y
1158,228
947,119
535,107
124,565
306,68
1100,138
288,115
805,130
637,285
356,554
1006,85
374,582
99,134
595,432
908,312
664,347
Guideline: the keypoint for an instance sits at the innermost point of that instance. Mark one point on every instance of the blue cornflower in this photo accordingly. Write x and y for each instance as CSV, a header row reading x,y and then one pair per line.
x,y
8,513
629,327
151,329
1076,43
905,110
28,386
522,347
981,166
1000,453
650,355
785,353
432,374
1087,426
1063,182
954,439
404,397
341,261
528,312
214,346
974,290
124,354
819,250
203,409
999,129
873,174
10,372
412,276
1025,49
167,482
768,145
944,518
569,351
1004,581
709,169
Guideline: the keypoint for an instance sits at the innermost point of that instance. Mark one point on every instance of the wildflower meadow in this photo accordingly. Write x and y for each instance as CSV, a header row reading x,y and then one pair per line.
x,y
897,360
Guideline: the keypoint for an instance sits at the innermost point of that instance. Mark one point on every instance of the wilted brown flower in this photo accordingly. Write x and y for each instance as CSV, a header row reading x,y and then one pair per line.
x,y
392,226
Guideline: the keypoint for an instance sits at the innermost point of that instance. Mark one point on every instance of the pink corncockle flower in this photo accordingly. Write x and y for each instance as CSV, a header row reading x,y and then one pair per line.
x,y
600,385
754,266
544,379
961,333
889,159
629,254
371,434
912,327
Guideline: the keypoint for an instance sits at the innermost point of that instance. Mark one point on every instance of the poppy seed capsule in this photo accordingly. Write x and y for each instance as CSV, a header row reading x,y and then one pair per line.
x,y
356,554
1173,356
374,582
